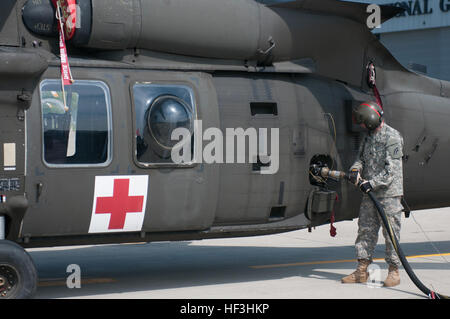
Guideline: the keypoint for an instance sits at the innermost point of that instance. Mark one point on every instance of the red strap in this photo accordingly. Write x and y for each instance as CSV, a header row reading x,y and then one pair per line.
x,y
66,74
69,15
65,67
377,96
332,220
371,81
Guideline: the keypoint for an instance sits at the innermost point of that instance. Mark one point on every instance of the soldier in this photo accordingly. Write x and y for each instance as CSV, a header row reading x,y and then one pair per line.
x,y
379,169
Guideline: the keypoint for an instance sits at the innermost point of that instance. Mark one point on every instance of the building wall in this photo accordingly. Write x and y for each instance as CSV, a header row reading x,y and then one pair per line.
x,y
428,47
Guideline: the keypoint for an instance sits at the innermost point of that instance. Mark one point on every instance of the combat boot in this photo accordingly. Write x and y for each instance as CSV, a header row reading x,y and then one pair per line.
x,y
360,275
393,277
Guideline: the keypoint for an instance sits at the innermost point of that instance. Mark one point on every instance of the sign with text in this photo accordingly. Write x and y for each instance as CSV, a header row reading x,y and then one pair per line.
x,y
417,14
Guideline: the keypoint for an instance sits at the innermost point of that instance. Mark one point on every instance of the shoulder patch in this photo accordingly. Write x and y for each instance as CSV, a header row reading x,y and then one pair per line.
x,y
395,147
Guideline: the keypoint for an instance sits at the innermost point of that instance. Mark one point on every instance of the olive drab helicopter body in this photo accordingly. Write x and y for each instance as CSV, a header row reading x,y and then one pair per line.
x,y
85,159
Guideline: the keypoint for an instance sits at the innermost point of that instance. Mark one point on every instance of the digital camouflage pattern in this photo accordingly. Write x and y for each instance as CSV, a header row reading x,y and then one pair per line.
x,y
380,162
369,224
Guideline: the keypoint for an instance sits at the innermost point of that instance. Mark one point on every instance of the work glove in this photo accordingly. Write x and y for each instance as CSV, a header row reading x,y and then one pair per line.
x,y
365,186
354,176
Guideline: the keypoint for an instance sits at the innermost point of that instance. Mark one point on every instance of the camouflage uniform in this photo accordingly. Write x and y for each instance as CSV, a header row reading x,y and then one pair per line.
x,y
380,162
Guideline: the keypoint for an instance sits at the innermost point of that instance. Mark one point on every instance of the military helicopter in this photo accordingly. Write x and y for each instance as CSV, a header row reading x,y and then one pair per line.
x,y
92,90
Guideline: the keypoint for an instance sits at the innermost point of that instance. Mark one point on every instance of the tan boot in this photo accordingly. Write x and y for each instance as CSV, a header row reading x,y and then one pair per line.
x,y
393,277
360,275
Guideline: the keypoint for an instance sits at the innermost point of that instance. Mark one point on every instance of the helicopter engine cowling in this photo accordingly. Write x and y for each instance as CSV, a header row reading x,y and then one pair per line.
x,y
239,29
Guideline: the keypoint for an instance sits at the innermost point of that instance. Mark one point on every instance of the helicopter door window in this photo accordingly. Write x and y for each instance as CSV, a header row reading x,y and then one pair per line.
x,y
77,132
159,110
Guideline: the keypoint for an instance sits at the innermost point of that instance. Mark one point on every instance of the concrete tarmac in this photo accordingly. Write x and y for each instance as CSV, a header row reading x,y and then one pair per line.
x,y
293,265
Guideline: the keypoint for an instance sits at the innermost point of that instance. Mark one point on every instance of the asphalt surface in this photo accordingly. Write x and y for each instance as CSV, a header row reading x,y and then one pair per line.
x,y
293,265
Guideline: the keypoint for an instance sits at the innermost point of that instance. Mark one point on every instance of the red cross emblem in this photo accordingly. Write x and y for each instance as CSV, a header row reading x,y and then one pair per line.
x,y
125,209
120,204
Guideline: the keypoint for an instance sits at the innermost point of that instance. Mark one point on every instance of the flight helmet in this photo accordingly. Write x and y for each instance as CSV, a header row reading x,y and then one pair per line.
x,y
370,114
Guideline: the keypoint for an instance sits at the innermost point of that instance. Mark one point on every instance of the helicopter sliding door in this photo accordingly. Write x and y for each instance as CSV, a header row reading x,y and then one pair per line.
x,y
69,142
171,112
99,157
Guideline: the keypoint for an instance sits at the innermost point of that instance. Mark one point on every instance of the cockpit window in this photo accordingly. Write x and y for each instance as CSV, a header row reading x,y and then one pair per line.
x,y
159,111
77,126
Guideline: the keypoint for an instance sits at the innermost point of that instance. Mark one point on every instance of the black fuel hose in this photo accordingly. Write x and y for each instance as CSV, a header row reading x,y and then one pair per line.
x,y
431,294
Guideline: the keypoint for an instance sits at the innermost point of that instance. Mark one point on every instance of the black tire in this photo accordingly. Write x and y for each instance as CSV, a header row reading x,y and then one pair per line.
x,y
18,276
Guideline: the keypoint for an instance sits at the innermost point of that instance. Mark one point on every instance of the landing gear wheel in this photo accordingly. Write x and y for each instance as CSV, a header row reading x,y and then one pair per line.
x,y
18,277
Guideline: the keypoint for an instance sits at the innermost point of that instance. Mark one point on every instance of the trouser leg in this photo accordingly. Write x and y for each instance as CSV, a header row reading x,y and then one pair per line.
x,y
393,209
368,228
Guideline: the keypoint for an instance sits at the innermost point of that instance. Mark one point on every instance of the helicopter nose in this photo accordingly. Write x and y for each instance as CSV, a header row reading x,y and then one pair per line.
x,y
40,18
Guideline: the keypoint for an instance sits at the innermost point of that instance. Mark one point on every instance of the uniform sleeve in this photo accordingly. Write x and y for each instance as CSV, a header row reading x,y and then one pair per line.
x,y
393,164
358,164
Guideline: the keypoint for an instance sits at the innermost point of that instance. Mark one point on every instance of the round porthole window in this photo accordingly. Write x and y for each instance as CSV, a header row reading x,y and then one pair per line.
x,y
167,113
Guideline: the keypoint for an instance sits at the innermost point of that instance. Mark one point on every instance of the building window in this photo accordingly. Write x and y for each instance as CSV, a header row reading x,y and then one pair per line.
x,y
77,132
159,110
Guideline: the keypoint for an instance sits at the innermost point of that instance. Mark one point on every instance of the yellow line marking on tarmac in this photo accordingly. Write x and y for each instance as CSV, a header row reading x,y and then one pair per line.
x,y
61,282
136,243
336,261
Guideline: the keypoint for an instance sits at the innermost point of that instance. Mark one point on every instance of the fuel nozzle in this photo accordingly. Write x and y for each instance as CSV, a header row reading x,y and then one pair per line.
x,y
325,172
338,175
